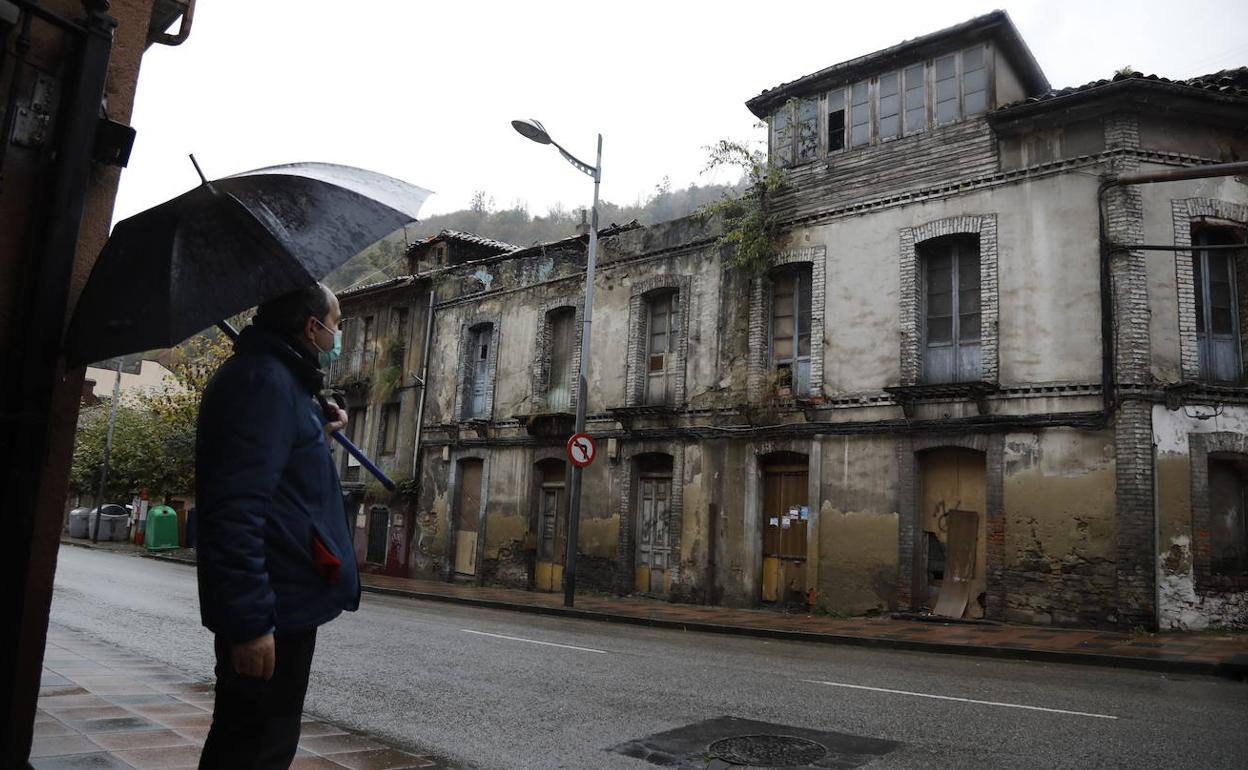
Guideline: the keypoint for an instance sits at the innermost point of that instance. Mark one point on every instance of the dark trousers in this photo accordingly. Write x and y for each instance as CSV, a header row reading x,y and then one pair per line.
x,y
255,724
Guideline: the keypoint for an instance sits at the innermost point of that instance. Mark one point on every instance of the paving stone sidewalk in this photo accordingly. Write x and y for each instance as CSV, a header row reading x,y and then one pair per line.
x,y
104,708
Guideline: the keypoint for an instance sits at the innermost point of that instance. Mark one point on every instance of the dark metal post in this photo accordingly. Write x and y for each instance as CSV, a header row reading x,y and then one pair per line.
x,y
582,394
108,450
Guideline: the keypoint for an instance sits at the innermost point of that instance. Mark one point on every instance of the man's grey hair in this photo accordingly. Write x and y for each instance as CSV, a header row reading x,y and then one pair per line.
x,y
287,314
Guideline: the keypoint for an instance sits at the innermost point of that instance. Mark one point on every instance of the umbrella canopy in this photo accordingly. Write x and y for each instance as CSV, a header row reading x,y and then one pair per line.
x,y
226,246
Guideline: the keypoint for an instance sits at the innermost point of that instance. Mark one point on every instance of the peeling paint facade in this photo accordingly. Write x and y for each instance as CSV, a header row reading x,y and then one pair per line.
x,y
910,410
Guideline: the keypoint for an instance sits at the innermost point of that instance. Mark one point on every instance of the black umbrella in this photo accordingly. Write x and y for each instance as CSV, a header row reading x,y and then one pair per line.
x,y
226,246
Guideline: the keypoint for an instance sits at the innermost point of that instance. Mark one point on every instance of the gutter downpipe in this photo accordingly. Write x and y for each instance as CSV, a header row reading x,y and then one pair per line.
x,y
424,389
1109,385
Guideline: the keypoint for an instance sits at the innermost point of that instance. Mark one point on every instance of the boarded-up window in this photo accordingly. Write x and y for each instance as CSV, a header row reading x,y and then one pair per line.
x,y
370,334
790,329
662,323
836,120
781,137
807,129
1217,311
946,80
480,371
860,114
951,312
890,105
559,391
974,81
400,326
915,99
1228,531
355,432
388,430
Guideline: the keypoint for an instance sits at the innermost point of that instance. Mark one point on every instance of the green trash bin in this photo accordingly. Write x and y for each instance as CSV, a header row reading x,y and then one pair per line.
x,y
162,529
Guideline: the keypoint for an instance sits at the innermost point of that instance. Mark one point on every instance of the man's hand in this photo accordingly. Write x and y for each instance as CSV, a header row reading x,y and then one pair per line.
x,y
338,423
255,658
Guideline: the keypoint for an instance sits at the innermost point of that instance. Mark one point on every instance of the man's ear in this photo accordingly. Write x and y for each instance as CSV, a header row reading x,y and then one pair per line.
x,y
309,328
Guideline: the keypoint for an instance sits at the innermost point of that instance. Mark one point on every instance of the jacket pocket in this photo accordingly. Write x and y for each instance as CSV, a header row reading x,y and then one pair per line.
x,y
324,558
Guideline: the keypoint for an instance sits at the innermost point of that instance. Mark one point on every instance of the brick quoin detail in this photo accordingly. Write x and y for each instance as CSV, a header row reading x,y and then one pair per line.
x,y
910,554
910,238
1185,212
638,337
759,363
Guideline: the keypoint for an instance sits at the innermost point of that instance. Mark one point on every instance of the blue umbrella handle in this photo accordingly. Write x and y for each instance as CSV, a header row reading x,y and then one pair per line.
x,y
367,463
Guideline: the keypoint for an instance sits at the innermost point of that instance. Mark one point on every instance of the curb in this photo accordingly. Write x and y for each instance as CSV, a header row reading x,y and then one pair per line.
x,y
1234,668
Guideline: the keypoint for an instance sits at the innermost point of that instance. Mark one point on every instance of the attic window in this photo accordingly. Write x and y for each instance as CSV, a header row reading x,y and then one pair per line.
x,y
889,105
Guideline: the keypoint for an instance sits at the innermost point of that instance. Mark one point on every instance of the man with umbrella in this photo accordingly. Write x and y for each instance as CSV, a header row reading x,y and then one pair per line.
x,y
275,552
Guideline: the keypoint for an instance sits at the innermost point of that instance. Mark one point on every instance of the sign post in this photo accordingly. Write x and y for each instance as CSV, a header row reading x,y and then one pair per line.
x,y
582,449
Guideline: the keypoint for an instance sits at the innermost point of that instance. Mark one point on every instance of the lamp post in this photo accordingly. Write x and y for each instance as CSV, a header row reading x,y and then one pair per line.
x,y
532,129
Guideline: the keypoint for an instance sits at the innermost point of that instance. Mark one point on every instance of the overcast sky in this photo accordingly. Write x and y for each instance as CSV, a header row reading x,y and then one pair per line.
x,y
425,91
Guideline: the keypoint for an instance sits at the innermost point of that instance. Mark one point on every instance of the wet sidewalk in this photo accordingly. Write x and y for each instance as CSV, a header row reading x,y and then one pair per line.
x,y
1220,654
104,708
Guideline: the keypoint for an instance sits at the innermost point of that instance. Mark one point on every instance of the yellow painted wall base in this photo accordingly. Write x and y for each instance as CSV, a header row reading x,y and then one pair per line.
x,y
466,552
643,578
548,576
771,579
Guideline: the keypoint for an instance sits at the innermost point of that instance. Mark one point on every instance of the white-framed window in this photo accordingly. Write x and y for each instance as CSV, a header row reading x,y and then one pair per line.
x,y
662,337
791,291
901,102
1215,284
952,350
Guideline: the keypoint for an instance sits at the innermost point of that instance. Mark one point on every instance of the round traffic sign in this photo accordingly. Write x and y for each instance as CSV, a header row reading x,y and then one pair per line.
x,y
581,449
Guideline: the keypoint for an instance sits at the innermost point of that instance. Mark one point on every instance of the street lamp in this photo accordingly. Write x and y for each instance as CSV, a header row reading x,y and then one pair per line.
x,y
532,129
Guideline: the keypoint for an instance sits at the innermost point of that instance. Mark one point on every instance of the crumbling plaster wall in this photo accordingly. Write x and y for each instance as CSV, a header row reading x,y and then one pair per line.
x,y
1060,527
1182,603
1044,336
858,524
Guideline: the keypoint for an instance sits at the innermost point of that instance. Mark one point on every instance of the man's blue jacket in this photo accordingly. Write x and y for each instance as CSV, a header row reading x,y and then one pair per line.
x,y
266,489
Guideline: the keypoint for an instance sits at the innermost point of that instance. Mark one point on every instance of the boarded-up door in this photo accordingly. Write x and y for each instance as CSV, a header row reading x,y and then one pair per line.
x,y
785,516
654,495
378,526
551,509
468,517
954,533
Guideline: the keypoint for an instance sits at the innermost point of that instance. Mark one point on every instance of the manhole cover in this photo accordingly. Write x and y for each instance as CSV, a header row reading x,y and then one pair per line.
x,y
767,750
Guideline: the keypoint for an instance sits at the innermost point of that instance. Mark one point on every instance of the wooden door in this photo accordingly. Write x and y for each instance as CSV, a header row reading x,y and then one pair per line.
x,y
378,528
468,517
954,528
786,514
551,509
654,495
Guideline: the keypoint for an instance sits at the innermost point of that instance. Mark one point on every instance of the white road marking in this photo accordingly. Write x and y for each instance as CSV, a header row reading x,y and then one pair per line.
x,y
961,700
533,641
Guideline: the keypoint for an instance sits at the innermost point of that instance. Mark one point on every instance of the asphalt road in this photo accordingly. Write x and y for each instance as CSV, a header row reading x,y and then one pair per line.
x,y
511,691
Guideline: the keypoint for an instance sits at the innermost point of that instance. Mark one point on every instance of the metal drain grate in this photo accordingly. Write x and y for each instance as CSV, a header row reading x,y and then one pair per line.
x,y
767,750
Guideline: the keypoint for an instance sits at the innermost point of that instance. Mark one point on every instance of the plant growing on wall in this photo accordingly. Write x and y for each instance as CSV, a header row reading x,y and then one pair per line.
x,y
389,375
751,228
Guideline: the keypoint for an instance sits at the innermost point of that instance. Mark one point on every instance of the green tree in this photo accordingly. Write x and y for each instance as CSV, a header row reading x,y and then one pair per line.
x,y
751,227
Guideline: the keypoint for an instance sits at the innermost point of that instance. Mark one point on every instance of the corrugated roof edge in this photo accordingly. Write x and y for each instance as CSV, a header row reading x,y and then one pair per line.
x,y
997,23
473,238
